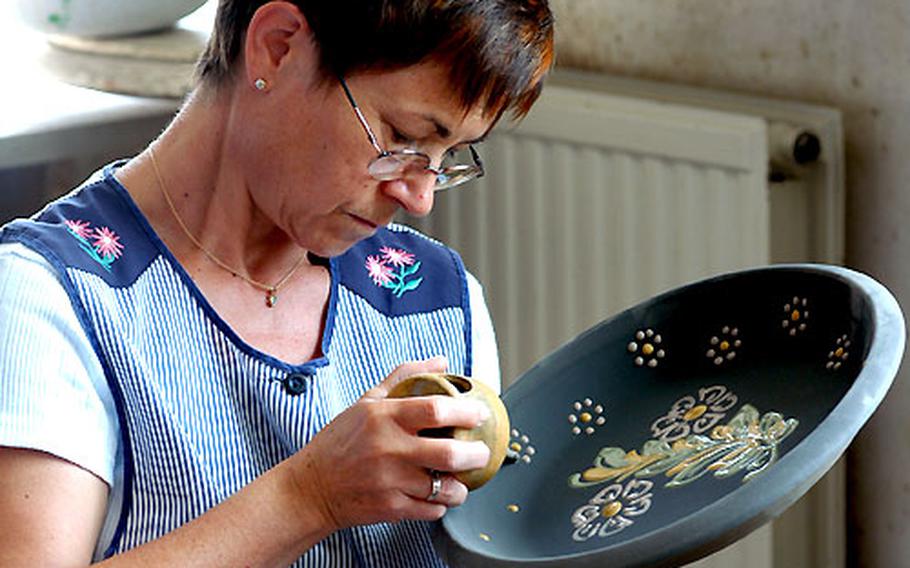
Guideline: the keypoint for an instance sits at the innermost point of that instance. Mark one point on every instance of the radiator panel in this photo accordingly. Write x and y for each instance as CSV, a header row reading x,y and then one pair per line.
x,y
563,233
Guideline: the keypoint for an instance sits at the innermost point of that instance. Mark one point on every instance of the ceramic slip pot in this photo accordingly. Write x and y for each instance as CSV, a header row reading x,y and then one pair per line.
x,y
103,18
494,432
678,426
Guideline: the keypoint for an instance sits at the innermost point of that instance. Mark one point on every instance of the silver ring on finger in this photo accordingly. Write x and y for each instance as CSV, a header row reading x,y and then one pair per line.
x,y
436,486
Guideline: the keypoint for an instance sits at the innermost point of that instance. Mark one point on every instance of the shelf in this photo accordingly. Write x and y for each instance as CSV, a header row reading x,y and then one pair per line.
x,y
43,119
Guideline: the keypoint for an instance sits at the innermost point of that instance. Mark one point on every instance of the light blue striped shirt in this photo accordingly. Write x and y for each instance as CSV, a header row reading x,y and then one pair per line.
x,y
55,397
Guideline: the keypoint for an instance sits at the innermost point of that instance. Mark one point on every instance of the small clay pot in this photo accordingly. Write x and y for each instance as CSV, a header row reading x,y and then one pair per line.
x,y
494,431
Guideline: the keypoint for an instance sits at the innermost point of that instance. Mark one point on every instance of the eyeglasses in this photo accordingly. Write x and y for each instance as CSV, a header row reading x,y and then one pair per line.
x,y
400,164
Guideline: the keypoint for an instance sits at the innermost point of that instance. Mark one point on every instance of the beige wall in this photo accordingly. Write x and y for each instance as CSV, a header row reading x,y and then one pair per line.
x,y
851,54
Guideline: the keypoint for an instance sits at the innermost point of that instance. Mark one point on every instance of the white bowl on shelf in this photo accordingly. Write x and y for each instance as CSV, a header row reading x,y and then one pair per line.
x,y
101,18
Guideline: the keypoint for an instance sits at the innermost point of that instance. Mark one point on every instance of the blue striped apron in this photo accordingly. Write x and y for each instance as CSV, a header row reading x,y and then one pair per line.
x,y
202,414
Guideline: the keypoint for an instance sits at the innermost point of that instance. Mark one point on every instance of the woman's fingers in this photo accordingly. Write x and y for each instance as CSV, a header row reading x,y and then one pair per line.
x,y
418,413
431,416
424,503
372,462
447,455
450,493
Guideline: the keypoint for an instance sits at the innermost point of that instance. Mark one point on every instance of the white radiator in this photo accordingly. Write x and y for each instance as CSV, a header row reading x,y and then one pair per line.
x,y
613,190
596,202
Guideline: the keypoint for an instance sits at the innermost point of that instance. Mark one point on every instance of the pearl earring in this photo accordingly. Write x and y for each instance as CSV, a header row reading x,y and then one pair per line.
x,y
260,84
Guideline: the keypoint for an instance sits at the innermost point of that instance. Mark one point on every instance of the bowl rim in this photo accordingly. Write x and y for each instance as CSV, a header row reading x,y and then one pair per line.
x,y
753,504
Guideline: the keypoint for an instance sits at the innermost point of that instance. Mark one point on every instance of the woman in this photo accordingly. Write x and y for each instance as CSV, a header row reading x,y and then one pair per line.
x,y
217,321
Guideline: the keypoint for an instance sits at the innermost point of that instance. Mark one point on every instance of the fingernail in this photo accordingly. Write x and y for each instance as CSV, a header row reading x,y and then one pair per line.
x,y
472,455
484,412
483,453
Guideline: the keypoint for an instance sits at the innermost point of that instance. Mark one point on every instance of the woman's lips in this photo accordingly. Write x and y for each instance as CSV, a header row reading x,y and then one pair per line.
x,y
364,221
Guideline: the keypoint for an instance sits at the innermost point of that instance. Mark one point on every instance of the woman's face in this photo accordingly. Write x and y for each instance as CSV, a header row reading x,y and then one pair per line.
x,y
310,165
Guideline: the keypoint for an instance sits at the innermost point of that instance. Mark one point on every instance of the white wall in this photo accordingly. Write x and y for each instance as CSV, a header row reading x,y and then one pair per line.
x,y
851,54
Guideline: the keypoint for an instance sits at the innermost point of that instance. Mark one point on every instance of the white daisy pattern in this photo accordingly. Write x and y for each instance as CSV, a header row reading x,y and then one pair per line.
x,y
520,446
647,347
612,509
694,414
723,347
838,355
586,416
796,316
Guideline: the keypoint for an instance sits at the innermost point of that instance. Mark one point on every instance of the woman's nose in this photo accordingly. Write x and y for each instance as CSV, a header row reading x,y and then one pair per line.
x,y
414,192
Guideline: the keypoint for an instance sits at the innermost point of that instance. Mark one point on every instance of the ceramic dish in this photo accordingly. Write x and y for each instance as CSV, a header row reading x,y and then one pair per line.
x,y
678,426
103,18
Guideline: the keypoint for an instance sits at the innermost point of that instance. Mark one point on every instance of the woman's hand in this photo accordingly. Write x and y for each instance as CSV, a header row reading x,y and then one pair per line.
x,y
370,465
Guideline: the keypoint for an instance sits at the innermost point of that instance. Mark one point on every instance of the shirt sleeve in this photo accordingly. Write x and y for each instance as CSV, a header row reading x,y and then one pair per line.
x,y
53,393
483,338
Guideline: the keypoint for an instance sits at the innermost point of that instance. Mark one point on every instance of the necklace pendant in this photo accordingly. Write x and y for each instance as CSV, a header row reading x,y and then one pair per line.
x,y
271,298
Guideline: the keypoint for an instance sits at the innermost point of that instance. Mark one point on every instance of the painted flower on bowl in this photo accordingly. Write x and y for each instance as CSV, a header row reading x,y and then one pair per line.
x,y
749,444
796,315
586,416
612,509
647,348
694,414
520,448
838,355
724,346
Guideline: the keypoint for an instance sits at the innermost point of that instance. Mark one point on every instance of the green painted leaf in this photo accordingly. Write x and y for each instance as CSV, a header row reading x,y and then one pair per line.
x,y
653,447
613,457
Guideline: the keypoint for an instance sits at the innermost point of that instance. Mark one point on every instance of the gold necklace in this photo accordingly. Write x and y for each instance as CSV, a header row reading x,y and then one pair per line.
x,y
271,291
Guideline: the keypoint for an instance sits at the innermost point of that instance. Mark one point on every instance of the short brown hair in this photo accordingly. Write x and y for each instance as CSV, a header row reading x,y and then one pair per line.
x,y
497,50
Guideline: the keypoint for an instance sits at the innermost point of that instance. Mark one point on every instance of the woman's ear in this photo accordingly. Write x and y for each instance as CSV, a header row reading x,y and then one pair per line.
x,y
277,35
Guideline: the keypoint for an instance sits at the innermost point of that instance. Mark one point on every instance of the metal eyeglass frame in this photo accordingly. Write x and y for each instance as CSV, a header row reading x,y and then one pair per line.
x,y
395,164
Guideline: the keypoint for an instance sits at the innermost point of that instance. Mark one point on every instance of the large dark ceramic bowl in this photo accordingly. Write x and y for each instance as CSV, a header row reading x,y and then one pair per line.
x,y
678,426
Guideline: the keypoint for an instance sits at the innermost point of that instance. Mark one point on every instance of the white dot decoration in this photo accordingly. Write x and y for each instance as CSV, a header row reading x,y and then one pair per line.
x,y
521,447
647,346
723,347
586,416
838,355
796,315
